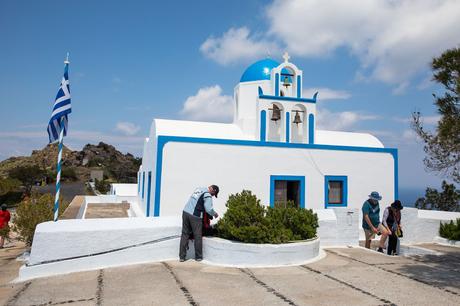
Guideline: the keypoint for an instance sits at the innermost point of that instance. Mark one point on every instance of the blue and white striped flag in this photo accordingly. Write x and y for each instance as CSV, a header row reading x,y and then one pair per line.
x,y
61,109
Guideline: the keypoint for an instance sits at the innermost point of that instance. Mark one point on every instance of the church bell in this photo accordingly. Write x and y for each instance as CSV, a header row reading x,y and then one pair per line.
x,y
297,119
276,114
286,82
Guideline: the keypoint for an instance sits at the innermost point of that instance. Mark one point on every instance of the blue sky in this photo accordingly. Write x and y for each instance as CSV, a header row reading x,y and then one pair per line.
x,y
132,61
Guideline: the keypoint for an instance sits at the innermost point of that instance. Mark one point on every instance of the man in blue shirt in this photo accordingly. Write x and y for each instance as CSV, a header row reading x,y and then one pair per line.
x,y
199,203
371,221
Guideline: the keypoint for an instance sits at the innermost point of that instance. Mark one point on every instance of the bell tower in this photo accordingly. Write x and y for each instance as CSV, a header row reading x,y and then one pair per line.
x,y
269,103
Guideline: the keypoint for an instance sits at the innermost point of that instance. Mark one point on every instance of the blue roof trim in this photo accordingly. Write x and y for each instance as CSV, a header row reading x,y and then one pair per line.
x,y
163,140
289,99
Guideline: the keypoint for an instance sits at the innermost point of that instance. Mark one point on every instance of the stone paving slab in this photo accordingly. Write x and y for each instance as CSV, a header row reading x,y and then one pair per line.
x,y
107,210
392,279
143,284
210,285
307,287
65,289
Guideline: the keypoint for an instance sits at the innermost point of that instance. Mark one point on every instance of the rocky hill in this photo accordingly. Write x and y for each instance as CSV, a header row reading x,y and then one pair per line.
x,y
116,165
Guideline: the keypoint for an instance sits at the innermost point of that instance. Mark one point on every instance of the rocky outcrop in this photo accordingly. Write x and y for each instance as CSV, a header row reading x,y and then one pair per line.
x,y
116,165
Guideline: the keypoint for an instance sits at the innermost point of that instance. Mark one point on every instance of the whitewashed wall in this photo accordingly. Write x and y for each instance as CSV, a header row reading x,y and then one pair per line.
x,y
234,168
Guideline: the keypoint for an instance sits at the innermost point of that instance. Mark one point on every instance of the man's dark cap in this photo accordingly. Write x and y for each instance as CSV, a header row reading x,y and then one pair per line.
x,y
4,207
215,188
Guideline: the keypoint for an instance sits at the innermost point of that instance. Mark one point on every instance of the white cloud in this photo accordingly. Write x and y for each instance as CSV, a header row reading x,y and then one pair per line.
x,y
340,121
209,105
431,120
428,120
326,94
400,89
237,44
425,83
394,40
409,135
127,128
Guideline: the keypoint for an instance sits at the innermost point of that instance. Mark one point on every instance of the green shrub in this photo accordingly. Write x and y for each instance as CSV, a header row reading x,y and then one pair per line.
x,y
450,230
291,223
32,211
103,186
246,220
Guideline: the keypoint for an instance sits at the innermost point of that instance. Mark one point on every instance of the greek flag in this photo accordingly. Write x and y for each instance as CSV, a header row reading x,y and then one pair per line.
x,y
61,108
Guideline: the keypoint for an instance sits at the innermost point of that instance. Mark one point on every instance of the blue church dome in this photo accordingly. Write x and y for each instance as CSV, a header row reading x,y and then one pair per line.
x,y
260,70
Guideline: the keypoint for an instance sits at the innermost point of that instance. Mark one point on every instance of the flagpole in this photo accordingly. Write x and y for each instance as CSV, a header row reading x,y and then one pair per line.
x,y
59,161
58,175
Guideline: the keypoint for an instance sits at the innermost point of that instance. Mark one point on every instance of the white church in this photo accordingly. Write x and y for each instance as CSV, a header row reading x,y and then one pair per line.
x,y
272,148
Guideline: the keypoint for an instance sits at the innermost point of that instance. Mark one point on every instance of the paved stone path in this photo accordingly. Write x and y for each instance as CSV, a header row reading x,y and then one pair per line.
x,y
350,276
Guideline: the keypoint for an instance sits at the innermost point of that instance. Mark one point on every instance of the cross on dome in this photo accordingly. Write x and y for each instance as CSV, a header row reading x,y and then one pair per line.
x,y
286,57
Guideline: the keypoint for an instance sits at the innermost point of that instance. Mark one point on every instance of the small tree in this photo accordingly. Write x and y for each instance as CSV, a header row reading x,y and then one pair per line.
x,y
448,199
102,185
28,175
8,184
443,146
32,211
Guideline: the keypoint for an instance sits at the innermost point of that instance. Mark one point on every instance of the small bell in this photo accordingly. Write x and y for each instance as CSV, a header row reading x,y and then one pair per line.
x,y
276,115
297,119
286,82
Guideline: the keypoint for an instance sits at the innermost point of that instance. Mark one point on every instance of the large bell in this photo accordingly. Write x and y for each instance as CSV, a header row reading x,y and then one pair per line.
x,y
276,114
297,119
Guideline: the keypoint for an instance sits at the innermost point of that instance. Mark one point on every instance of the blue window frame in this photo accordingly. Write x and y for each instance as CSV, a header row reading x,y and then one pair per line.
x,y
335,191
296,182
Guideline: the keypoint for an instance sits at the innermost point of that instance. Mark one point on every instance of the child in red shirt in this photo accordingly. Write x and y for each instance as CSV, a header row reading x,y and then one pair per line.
x,y
4,228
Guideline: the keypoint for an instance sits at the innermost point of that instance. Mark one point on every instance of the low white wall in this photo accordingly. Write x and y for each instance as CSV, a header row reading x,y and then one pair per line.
x,y
230,253
338,226
423,225
445,241
55,243
71,238
78,245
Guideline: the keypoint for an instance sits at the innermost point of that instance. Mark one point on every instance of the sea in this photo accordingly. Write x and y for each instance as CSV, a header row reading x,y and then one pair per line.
x,y
408,196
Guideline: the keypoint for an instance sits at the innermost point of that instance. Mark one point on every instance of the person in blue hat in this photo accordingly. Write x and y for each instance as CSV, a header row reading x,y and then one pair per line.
x,y
371,221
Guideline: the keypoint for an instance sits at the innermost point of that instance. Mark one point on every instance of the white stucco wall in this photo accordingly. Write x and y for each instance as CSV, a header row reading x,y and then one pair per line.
x,y
128,190
234,168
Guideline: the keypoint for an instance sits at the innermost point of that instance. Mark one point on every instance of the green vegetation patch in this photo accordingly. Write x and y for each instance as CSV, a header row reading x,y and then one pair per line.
x,y
450,230
246,220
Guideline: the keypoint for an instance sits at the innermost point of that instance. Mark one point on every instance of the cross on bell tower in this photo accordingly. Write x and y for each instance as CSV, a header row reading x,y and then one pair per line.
x,y
286,57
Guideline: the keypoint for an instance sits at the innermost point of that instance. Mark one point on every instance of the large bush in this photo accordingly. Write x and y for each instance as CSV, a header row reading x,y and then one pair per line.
x,y
450,230
246,220
32,211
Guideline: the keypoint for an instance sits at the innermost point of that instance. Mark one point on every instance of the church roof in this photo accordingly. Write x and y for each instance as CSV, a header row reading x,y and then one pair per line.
x,y
260,70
